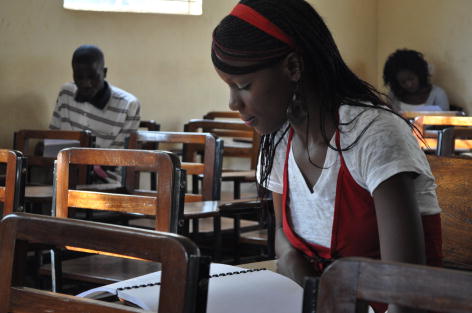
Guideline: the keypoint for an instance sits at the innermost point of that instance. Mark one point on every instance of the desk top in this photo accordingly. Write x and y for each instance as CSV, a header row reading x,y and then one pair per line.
x,y
271,265
460,144
46,191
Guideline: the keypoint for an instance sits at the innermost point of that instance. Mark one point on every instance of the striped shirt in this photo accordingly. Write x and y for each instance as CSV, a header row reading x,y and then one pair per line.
x,y
110,125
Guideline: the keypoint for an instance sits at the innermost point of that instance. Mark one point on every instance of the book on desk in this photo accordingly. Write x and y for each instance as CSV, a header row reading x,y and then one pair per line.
x,y
231,290
53,146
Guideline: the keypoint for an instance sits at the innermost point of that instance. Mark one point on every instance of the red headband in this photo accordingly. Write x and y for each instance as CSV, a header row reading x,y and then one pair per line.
x,y
254,18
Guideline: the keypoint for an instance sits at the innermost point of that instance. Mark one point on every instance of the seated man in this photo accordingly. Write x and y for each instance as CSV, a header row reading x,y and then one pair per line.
x,y
91,103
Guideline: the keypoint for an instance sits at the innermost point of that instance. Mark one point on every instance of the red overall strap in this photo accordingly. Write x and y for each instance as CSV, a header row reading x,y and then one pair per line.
x,y
354,224
310,250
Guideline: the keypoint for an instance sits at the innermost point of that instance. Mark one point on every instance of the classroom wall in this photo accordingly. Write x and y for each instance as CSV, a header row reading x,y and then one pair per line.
x,y
162,59
438,28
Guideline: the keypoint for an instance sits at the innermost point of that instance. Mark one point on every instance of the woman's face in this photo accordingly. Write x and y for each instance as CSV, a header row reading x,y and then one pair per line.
x,y
408,81
260,97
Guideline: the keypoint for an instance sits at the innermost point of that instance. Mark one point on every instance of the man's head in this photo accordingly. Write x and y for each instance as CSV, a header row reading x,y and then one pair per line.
x,y
89,71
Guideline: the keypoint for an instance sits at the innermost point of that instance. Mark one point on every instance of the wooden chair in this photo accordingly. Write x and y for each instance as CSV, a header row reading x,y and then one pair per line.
x,y
349,284
212,115
262,234
447,139
232,132
210,169
37,198
453,178
163,204
180,259
13,191
21,143
430,137
152,126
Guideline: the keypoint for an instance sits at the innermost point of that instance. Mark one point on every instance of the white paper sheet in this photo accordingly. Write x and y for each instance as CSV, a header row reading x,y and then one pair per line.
x,y
255,292
53,146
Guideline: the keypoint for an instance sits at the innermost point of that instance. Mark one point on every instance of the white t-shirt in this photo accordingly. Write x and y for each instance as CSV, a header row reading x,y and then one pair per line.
x,y
110,125
437,101
385,149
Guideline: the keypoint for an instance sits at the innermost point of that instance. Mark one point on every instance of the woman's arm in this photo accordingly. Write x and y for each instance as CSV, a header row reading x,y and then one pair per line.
x,y
441,99
291,262
399,223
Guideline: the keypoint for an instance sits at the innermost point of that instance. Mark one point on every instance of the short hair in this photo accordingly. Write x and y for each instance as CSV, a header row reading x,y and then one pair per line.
x,y
405,59
88,54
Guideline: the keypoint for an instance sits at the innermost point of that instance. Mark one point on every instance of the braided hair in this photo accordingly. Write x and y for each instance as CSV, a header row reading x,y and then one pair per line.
x,y
335,84
404,59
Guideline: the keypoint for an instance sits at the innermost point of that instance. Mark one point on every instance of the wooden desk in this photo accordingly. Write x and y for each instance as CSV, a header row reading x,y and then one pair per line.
x,y
412,114
460,144
271,265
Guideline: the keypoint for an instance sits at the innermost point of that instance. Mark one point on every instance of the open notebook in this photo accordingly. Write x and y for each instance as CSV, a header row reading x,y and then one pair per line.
x,y
238,290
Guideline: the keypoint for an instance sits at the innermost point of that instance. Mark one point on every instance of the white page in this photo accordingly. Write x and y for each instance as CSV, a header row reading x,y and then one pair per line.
x,y
255,292
53,146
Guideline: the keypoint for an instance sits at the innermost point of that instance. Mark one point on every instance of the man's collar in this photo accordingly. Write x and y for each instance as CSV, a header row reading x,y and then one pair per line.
x,y
102,97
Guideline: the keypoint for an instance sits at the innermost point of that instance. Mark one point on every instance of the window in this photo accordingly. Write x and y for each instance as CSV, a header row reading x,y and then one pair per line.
x,y
187,7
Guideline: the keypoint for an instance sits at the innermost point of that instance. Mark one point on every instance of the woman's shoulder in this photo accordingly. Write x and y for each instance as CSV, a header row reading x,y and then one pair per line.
x,y
436,90
357,123
352,117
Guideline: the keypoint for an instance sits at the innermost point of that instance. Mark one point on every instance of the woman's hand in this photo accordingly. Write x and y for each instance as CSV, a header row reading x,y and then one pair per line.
x,y
291,262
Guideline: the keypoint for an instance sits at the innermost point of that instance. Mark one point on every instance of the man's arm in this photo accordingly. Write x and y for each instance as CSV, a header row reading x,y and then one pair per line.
x,y
130,125
56,116
291,262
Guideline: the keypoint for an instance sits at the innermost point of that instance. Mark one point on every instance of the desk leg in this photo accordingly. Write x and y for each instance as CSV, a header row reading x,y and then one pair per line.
x,y
195,226
237,189
217,234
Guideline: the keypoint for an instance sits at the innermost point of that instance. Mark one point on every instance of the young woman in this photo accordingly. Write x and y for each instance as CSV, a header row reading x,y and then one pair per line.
x,y
406,73
346,174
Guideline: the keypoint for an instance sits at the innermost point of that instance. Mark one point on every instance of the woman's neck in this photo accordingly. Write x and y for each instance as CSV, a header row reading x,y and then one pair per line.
x,y
309,130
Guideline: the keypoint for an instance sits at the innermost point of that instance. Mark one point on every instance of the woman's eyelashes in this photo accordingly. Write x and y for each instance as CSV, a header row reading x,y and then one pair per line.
x,y
243,86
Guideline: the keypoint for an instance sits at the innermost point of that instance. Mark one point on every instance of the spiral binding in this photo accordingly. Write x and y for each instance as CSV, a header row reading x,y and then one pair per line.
x,y
211,276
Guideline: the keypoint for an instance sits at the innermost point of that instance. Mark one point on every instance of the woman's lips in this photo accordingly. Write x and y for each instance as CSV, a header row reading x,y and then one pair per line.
x,y
250,121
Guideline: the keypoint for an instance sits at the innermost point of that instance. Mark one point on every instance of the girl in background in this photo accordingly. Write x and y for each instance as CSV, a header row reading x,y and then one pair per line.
x,y
406,73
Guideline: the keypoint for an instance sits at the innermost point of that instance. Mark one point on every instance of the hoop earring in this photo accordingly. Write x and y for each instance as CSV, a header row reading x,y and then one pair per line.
x,y
296,109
